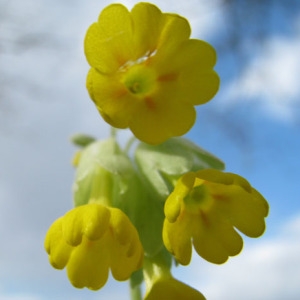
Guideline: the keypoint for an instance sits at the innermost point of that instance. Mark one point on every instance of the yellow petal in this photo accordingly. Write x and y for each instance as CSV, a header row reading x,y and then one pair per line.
x,y
126,251
91,220
214,237
122,265
122,227
244,212
176,29
177,239
95,221
161,117
173,203
108,43
148,22
111,97
207,246
59,251
89,263
261,202
191,63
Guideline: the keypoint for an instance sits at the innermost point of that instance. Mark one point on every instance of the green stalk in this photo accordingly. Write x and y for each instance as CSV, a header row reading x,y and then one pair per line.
x,y
135,292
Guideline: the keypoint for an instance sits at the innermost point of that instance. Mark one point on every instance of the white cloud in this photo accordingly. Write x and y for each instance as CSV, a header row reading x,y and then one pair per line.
x,y
267,269
272,80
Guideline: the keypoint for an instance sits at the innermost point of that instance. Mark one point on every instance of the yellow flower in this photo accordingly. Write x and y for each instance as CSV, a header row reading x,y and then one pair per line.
x,y
204,208
160,284
146,73
167,287
91,239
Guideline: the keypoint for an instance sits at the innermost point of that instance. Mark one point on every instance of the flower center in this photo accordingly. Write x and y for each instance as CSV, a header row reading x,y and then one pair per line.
x,y
198,197
140,80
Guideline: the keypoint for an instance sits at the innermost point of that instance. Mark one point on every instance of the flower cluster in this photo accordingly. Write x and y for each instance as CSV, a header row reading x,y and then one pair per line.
x,y
136,212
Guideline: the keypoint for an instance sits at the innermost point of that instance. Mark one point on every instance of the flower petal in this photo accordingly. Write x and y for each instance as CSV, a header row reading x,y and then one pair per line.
x,y
215,239
112,99
177,239
108,43
59,251
89,263
161,117
176,30
91,220
173,203
186,73
148,22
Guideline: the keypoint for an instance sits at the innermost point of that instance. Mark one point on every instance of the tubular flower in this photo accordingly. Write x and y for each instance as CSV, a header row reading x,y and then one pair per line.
x,y
91,239
167,287
205,208
146,73
160,284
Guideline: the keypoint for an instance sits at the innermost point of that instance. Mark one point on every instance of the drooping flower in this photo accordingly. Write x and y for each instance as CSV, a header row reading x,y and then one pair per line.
x,y
167,287
146,73
160,284
91,239
205,209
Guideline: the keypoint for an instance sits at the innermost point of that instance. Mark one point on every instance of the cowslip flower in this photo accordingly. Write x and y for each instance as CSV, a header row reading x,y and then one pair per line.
x,y
205,209
146,73
167,287
160,284
91,239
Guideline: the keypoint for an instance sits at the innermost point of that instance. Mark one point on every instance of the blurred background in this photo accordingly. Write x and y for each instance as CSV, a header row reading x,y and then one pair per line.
x,y
252,124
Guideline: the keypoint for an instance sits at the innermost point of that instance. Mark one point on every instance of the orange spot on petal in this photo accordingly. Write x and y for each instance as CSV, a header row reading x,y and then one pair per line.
x,y
168,77
119,93
150,103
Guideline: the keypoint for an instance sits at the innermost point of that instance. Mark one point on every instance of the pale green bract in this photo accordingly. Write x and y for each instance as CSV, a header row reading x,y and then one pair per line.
x,y
164,163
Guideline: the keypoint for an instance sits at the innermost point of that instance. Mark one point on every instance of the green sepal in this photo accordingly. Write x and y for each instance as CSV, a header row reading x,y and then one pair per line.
x,y
105,173
100,164
157,265
163,164
82,140
136,278
145,212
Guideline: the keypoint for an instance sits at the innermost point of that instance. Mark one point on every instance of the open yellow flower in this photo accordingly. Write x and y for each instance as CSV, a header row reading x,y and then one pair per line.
x,y
204,208
146,73
91,239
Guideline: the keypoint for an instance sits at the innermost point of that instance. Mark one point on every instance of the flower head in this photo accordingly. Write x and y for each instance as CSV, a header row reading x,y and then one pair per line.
x,y
167,287
146,73
206,208
160,284
91,239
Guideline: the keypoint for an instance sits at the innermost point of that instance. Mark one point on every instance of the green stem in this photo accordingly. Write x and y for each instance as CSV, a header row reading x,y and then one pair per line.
x,y
129,144
135,292
113,132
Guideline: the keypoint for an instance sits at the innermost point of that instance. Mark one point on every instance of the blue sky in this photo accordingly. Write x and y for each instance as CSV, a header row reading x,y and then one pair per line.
x,y
252,124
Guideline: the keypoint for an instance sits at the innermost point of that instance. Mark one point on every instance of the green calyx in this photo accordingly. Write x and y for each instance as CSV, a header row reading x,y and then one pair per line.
x,y
162,165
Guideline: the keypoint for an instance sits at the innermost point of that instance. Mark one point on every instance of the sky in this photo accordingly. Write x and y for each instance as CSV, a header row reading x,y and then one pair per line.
x,y
252,125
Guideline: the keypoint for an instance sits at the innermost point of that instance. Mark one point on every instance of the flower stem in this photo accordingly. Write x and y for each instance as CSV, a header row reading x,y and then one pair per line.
x,y
129,144
113,132
135,292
